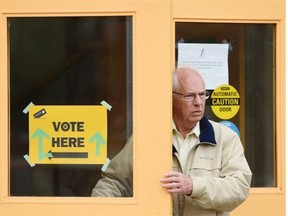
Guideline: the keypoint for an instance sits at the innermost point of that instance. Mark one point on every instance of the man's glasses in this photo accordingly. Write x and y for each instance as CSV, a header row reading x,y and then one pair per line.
x,y
192,95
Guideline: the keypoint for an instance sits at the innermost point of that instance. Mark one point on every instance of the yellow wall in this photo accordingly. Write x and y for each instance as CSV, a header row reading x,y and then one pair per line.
x,y
153,59
262,201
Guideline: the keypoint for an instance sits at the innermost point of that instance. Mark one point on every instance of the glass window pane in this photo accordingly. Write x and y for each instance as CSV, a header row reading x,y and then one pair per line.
x,y
67,61
251,65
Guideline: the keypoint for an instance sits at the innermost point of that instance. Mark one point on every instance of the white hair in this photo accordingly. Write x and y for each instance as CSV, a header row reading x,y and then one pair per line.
x,y
176,72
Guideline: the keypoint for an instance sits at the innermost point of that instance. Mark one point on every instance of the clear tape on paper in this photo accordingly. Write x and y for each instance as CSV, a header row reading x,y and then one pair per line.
x,y
104,167
26,110
28,160
108,106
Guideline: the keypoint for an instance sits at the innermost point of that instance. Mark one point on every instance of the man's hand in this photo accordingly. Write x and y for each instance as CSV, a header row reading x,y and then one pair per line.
x,y
175,182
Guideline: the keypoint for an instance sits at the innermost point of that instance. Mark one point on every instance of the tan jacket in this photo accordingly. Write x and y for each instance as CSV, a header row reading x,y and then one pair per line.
x,y
117,180
220,173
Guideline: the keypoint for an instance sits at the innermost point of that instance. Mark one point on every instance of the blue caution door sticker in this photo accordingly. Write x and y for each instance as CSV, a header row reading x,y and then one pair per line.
x,y
67,134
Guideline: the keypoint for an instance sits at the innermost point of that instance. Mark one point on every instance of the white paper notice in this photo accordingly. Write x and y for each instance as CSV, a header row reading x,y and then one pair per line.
x,y
210,60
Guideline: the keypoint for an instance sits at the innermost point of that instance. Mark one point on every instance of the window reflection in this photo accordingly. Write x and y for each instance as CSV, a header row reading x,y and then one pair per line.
x,y
67,61
251,72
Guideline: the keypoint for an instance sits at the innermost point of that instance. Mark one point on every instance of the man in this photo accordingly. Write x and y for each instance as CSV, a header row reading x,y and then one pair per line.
x,y
210,173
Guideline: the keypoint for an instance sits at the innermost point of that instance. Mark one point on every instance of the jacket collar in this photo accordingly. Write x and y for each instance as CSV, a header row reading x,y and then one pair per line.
x,y
206,133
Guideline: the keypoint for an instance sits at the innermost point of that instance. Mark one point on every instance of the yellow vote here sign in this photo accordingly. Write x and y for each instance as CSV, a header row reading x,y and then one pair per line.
x,y
67,134
225,101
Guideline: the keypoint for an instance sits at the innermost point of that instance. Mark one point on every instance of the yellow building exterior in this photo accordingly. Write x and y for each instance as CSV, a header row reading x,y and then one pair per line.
x,y
156,27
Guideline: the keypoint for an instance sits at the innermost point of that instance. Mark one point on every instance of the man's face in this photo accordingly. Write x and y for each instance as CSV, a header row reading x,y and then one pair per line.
x,y
189,100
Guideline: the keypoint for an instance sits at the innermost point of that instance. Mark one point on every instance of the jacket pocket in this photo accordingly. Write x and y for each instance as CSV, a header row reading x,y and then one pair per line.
x,y
204,167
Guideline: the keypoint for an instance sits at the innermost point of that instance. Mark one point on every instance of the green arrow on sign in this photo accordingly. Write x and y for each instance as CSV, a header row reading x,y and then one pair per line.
x,y
40,134
99,141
